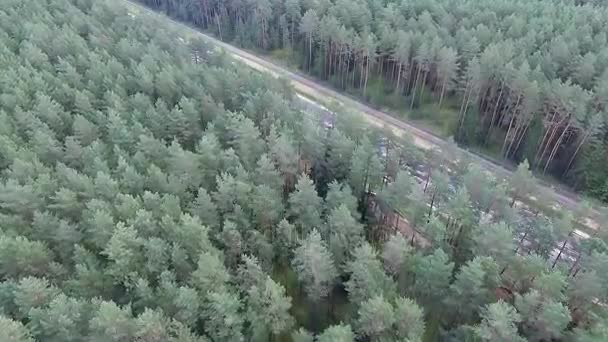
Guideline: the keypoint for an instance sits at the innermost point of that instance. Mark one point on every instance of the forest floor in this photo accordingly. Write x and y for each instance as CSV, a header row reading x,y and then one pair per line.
x,y
324,96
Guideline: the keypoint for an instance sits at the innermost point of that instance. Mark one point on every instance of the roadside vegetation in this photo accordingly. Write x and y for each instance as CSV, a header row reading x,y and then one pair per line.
x,y
518,80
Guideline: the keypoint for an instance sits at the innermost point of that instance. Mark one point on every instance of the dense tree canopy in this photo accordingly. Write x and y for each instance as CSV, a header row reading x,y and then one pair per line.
x,y
521,79
154,189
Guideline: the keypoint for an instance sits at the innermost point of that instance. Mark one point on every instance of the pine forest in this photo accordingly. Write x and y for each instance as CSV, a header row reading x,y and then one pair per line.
x,y
514,79
155,189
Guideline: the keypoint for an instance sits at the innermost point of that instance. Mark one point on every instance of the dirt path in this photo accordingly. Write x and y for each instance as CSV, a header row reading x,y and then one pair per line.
x,y
311,89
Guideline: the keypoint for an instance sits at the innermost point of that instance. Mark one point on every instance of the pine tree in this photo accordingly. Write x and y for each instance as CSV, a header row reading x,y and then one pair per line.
x,y
395,255
376,318
12,331
410,320
432,281
314,266
343,233
476,281
305,205
337,333
268,309
223,319
499,323
367,278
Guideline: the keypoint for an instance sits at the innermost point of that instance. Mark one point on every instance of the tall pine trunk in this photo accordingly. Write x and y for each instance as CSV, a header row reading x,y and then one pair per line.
x,y
521,138
445,81
413,93
504,144
542,147
561,250
309,51
366,76
399,77
494,114
426,73
219,26
556,147
578,147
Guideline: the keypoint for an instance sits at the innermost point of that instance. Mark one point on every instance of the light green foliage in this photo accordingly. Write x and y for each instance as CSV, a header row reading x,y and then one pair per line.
x,y
480,185
257,244
204,208
376,318
233,244
186,304
246,140
584,290
381,320
475,281
267,206
232,191
208,153
417,211
460,209
498,323
440,184
223,319
365,170
210,274
435,231
285,156
522,182
598,261
544,234
339,194
301,335
149,185
64,319
305,205
31,293
11,331
432,281
124,250
21,257
112,323
597,333
525,269
189,234
551,285
337,333
409,324
310,141
543,314
396,253
395,195
343,234
284,239
268,308
367,277
250,274
564,224
152,325
314,266
266,174
340,153
543,318
495,240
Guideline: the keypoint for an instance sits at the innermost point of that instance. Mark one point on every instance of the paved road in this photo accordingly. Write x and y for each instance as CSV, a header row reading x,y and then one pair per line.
x,y
311,89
